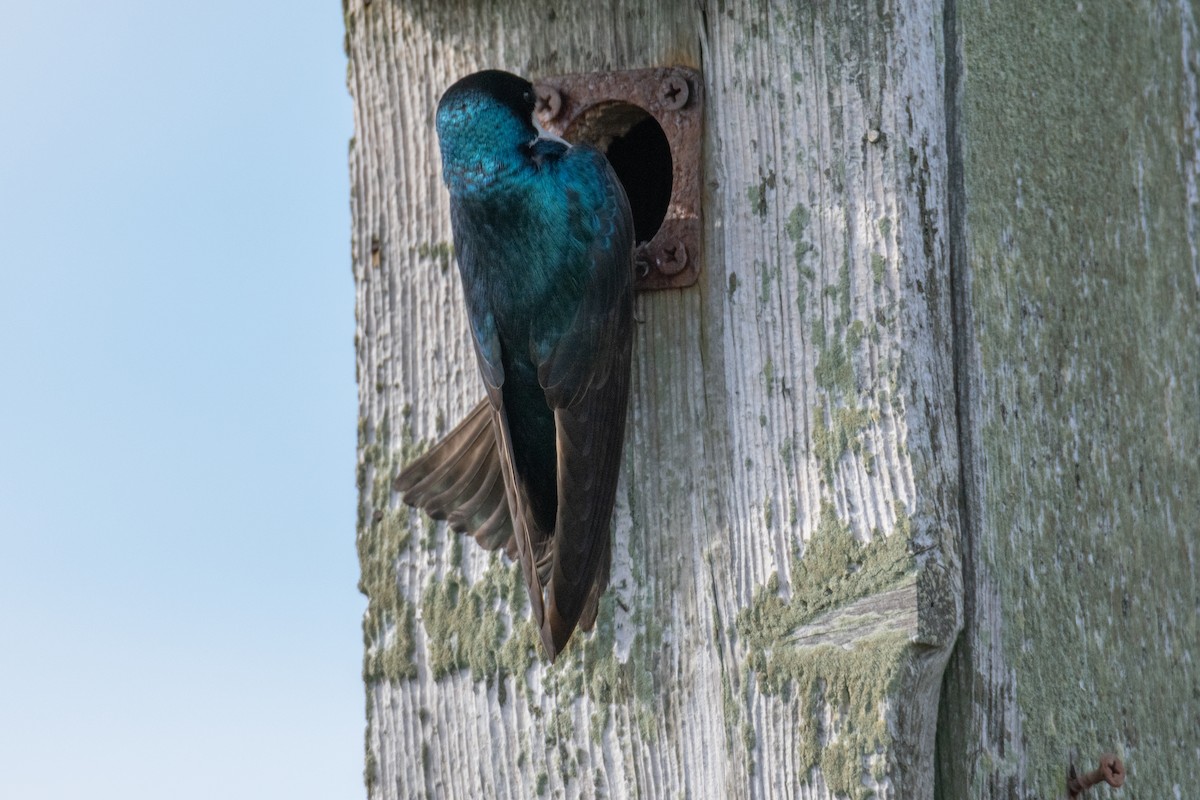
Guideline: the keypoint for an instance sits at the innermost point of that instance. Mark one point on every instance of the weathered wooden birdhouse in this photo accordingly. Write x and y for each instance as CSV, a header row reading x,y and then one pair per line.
x,y
908,505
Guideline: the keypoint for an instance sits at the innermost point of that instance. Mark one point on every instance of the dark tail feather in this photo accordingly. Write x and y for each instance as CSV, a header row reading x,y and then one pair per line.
x,y
560,622
460,480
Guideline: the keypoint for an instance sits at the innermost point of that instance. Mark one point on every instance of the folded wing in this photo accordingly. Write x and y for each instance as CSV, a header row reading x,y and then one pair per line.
x,y
586,381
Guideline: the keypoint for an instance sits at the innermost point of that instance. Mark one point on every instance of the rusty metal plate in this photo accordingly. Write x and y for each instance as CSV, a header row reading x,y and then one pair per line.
x,y
599,107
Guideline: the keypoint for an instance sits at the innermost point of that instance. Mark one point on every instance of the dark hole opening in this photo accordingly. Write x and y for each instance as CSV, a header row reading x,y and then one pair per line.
x,y
640,154
642,161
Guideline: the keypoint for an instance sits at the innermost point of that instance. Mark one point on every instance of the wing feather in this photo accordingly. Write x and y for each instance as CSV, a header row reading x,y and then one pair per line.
x,y
586,381
460,480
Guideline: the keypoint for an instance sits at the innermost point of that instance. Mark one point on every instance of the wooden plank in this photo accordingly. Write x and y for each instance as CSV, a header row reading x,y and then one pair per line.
x,y
1079,291
785,584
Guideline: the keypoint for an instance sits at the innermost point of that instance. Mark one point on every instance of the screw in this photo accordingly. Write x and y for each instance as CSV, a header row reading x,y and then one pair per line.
x,y
1111,771
674,93
873,135
672,259
549,102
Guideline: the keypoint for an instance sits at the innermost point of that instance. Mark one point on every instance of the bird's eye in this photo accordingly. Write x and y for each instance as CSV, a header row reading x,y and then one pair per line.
x,y
527,97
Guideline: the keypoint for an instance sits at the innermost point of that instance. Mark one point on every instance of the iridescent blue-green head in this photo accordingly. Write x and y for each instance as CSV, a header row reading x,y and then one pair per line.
x,y
484,125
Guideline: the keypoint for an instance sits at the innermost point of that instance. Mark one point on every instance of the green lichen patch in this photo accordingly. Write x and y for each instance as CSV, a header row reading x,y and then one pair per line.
x,y
795,228
834,372
731,711
854,335
431,532
768,374
440,253
757,193
370,765
481,627
844,291
878,265
758,201
842,434
388,628
858,684
835,569
766,274
383,535
786,455
589,668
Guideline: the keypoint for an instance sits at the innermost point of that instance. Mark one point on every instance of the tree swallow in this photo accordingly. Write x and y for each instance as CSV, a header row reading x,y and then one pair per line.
x,y
544,240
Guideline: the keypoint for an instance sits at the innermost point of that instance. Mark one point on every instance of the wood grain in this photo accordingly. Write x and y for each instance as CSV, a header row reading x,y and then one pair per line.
x,y
786,579
1080,395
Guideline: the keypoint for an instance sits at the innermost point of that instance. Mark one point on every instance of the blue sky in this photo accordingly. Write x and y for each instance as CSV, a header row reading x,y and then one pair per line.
x,y
178,606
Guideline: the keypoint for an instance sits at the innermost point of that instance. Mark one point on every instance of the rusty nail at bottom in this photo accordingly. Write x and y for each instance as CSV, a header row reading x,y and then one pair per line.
x,y
1111,771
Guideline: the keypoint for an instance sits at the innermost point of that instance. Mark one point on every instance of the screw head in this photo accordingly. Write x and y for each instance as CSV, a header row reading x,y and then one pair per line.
x,y
674,93
672,258
549,102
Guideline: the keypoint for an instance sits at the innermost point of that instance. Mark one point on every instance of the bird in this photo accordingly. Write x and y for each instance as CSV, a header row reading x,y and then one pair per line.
x,y
543,236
